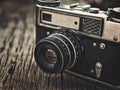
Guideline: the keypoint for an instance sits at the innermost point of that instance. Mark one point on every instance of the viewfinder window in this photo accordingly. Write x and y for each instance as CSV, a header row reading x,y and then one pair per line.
x,y
47,17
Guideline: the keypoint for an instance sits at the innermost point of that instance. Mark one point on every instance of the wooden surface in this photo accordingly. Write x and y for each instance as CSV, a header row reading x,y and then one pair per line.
x,y
18,71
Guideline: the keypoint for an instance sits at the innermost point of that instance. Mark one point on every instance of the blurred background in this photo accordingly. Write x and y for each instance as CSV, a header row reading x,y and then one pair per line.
x,y
19,9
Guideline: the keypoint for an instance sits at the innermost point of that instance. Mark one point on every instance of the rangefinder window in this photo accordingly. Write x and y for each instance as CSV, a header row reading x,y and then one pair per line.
x,y
46,17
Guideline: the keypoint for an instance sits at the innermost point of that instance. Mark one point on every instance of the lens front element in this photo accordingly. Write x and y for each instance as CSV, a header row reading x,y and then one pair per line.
x,y
51,56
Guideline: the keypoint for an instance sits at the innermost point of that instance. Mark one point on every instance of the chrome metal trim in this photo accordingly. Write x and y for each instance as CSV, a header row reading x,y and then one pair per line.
x,y
39,15
41,24
111,30
102,46
115,19
61,20
49,26
98,69
48,1
74,11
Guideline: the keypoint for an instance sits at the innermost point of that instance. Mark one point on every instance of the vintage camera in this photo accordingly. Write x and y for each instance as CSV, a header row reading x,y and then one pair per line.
x,y
79,40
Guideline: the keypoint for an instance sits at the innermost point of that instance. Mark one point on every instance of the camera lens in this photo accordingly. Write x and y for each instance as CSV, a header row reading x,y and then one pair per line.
x,y
51,56
58,52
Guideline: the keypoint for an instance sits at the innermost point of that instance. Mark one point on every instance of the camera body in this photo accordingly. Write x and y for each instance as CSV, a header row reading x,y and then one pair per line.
x,y
79,40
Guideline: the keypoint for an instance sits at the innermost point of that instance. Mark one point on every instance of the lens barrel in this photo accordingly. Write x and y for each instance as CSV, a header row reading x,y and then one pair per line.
x,y
58,52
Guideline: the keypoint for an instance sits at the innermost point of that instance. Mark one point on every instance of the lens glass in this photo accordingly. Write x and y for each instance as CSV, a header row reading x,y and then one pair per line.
x,y
51,56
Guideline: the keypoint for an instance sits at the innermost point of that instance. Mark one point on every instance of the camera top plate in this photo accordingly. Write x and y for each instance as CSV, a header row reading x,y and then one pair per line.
x,y
60,15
